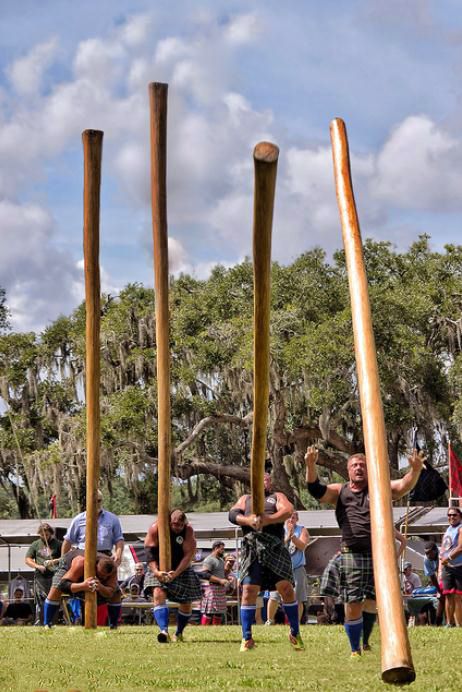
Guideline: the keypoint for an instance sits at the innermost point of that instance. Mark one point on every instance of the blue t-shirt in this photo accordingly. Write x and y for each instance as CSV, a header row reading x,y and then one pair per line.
x,y
450,541
430,567
109,530
297,556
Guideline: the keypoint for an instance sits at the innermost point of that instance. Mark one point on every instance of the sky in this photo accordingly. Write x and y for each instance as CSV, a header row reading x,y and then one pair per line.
x,y
239,71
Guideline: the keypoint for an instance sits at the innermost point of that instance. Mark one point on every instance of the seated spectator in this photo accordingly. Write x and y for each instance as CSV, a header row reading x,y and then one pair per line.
x,y
431,563
18,612
410,580
137,578
133,616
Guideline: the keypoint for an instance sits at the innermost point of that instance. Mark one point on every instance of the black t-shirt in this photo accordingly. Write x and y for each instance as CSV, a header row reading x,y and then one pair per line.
x,y
270,508
176,543
353,516
18,610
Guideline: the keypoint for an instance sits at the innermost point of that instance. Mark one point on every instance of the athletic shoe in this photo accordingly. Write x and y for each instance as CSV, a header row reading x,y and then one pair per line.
x,y
296,641
367,647
177,638
356,655
163,637
247,644
268,623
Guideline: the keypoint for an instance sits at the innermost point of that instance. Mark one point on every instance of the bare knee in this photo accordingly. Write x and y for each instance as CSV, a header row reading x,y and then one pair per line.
x,y
185,608
353,611
369,606
249,594
158,596
286,590
54,594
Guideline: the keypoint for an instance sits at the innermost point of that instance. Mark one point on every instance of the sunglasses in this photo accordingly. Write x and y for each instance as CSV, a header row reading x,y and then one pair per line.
x,y
452,515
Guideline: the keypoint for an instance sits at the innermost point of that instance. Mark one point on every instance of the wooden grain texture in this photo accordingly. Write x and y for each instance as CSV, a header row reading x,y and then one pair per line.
x,y
92,155
158,125
265,163
397,663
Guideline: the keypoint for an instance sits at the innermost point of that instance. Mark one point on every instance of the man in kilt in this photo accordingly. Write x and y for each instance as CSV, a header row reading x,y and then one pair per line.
x,y
266,562
350,575
181,584
69,579
215,571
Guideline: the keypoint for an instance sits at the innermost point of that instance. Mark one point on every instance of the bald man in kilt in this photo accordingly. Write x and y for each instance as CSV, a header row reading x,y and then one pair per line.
x,y
266,562
350,574
181,584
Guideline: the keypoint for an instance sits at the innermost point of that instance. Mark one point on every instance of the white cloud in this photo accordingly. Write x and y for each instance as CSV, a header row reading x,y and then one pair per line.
x,y
135,31
26,73
39,279
419,167
243,28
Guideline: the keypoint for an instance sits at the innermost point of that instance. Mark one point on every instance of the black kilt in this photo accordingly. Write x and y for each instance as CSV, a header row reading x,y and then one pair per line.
x,y
183,589
270,552
349,576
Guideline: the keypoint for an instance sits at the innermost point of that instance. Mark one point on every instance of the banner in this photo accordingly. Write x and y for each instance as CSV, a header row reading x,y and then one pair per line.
x,y
455,474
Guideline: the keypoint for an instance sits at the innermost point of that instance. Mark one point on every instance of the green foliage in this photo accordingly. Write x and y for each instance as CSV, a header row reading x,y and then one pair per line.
x,y
416,300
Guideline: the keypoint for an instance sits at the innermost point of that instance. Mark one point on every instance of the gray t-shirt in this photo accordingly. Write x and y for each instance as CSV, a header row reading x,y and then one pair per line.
x,y
215,566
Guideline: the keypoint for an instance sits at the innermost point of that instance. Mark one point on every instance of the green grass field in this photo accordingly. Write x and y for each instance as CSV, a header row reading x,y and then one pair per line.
x,y
131,659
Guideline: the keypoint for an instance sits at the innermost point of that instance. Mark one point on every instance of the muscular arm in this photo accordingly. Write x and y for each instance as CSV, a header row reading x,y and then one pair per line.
x,y
108,589
404,485
453,552
240,519
189,550
332,491
284,509
152,541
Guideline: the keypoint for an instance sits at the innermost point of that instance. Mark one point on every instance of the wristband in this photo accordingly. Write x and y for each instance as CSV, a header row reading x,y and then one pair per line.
x,y
317,489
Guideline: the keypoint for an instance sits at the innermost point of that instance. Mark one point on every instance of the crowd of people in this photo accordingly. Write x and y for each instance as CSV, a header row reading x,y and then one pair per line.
x,y
271,563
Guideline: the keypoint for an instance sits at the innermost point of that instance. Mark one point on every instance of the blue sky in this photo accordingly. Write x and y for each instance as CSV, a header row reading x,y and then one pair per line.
x,y
238,72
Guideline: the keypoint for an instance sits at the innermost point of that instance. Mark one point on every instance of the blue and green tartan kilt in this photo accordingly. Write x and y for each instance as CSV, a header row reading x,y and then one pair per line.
x,y
350,577
184,589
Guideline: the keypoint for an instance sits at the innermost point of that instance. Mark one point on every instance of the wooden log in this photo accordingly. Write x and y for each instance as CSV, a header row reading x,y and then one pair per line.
x,y
92,153
265,157
158,125
397,666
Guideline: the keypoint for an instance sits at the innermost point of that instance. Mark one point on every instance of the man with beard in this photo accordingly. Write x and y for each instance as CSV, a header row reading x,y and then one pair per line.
x,y
181,584
43,556
354,564
266,563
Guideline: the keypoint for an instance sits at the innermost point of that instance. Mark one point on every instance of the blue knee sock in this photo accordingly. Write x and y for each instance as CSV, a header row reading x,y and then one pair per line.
x,y
50,608
161,617
182,620
113,612
291,610
354,629
368,624
247,620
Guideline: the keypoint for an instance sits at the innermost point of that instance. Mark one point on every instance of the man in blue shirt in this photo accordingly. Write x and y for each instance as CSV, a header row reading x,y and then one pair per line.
x,y
109,533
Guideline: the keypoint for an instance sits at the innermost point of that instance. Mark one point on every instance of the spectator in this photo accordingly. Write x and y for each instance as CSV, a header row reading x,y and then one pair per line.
x,y
451,567
296,539
410,580
137,578
43,556
134,615
213,605
18,612
109,533
431,561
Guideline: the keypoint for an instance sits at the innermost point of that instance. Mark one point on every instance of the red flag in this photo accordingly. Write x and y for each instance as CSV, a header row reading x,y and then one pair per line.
x,y
53,507
455,474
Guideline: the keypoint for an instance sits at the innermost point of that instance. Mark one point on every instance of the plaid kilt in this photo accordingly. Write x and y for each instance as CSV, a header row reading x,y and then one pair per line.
x,y
349,576
64,566
184,589
214,599
270,552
